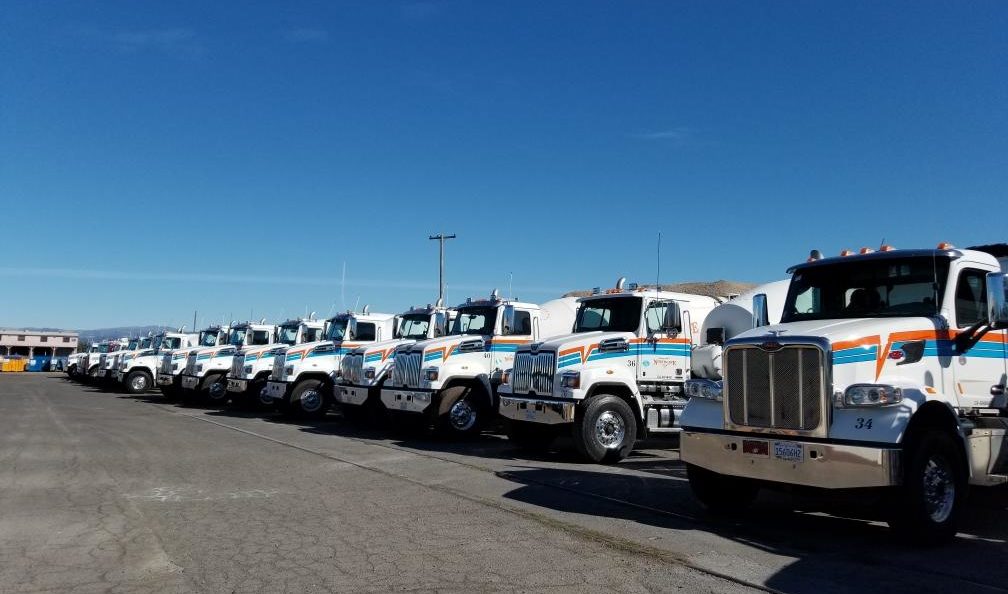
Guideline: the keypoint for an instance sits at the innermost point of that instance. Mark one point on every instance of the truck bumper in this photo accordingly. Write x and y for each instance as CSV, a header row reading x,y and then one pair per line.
x,y
274,390
351,395
402,399
237,385
792,461
534,410
190,382
165,379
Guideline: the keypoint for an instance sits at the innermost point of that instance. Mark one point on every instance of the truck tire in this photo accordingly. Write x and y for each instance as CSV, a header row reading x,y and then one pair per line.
x,y
215,389
71,371
461,413
607,431
927,506
309,399
721,493
530,436
138,382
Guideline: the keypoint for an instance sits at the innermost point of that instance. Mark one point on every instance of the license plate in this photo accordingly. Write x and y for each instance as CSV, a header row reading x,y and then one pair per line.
x,y
788,451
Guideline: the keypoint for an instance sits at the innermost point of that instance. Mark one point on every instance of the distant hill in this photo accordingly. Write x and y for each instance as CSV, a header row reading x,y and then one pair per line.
x,y
720,288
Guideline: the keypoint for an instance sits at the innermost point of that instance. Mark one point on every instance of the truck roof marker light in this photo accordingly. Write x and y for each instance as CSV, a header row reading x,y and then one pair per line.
x,y
845,253
814,255
596,290
945,246
866,250
632,286
886,248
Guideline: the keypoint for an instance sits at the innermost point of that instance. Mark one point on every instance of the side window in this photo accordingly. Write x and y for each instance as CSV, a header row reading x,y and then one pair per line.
x,y
971,298
522,323
365,331
655,315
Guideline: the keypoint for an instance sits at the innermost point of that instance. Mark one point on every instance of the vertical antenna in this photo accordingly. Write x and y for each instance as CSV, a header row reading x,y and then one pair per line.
x,y
194,320
342,287
441,237
356,303
657,283
511,286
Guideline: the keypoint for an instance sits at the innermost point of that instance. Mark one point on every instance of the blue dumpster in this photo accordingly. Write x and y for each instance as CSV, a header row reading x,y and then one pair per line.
x,y
38,364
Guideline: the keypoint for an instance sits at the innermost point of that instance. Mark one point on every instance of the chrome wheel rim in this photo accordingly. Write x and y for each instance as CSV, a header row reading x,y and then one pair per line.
x,y
311,400
610,430
139,383
939,489
217,390
462,415
263,398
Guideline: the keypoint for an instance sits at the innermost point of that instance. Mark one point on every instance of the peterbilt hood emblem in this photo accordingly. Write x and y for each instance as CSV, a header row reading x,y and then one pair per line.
x,y
534,347
770,346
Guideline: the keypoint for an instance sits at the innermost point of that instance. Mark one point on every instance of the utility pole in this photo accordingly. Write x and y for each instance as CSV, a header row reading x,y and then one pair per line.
x,y
441,237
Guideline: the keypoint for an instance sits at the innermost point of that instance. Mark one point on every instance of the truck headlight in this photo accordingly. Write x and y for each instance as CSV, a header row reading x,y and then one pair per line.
x,y
199,368
431,374
506,376
867,395
248,369
571,379
174,367
289,370
369,373
704,388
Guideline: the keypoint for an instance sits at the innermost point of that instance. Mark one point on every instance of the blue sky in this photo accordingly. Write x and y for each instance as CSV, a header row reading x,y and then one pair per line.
x,y
157,158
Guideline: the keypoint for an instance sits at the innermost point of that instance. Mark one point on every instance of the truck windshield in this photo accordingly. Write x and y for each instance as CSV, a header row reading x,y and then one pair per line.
x,y
103,348
155,343
208,338
311,334
889,287
288,334
609,314
145,343
337,329
475,320
171,342
414,326
237,337
132,346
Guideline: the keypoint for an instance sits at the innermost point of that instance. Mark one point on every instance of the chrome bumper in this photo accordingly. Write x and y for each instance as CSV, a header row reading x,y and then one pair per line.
x,y
815,464
352,395
406,400
533,410
165,379
190,382
237,385
274,390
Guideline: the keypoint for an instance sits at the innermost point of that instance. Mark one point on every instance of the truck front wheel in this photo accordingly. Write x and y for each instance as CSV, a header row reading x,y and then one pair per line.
x,y
138,382
215,389
926,508
309,399
607,431
460,412
721,493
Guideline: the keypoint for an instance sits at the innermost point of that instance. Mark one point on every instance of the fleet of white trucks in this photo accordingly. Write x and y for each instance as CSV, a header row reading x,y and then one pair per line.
x,y
887,370
206,369
136,370
615,377
173,362
450,383
304,377
365,369
251,366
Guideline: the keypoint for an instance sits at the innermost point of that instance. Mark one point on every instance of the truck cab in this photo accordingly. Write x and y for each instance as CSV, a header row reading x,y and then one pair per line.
x,y
132,345
77,363
94,362
136,370
365,369
206,369
450,383
618,376
303,378
251,366
887,370
173,361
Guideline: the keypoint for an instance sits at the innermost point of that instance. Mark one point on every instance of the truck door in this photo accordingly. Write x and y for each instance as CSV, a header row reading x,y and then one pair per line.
x,y
977,365
661,357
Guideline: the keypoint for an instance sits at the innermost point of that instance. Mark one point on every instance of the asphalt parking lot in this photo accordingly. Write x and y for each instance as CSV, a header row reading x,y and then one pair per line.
x,y
101,491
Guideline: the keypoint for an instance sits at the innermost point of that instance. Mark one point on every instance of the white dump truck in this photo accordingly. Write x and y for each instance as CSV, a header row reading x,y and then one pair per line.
x,y
450,383
77,362
618,376
137,369
887,370
366,368
303,378
93,364
206,369
251,366
110,362
173,362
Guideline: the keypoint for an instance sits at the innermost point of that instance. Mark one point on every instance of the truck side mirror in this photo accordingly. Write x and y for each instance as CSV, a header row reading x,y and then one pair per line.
x,y
440,324
760,313
997,300
672,324
508,321
351,329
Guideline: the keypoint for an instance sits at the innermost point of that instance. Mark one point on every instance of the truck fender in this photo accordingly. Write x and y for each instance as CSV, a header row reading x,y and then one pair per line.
x,y
938,415
482,381
622,391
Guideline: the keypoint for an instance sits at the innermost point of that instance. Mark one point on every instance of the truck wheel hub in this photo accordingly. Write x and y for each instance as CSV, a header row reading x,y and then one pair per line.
x,y
217,390
939,489
311,400
139,383
609,429
462,415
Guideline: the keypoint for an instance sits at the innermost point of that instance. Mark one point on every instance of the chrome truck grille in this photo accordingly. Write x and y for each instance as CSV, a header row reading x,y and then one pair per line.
x,y
779,389
533,373
238,366
102,360
165,366
278,368
190,364
407,369
352,368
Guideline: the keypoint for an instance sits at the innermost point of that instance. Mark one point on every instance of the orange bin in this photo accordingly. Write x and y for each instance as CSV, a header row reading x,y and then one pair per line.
x,y
15,365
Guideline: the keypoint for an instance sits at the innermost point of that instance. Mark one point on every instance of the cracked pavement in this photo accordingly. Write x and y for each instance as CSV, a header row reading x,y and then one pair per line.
x,y
104,492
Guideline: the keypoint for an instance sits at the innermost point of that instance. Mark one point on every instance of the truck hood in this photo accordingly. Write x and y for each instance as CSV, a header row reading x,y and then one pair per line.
x,y
445,344
213,351
258,351
380,352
